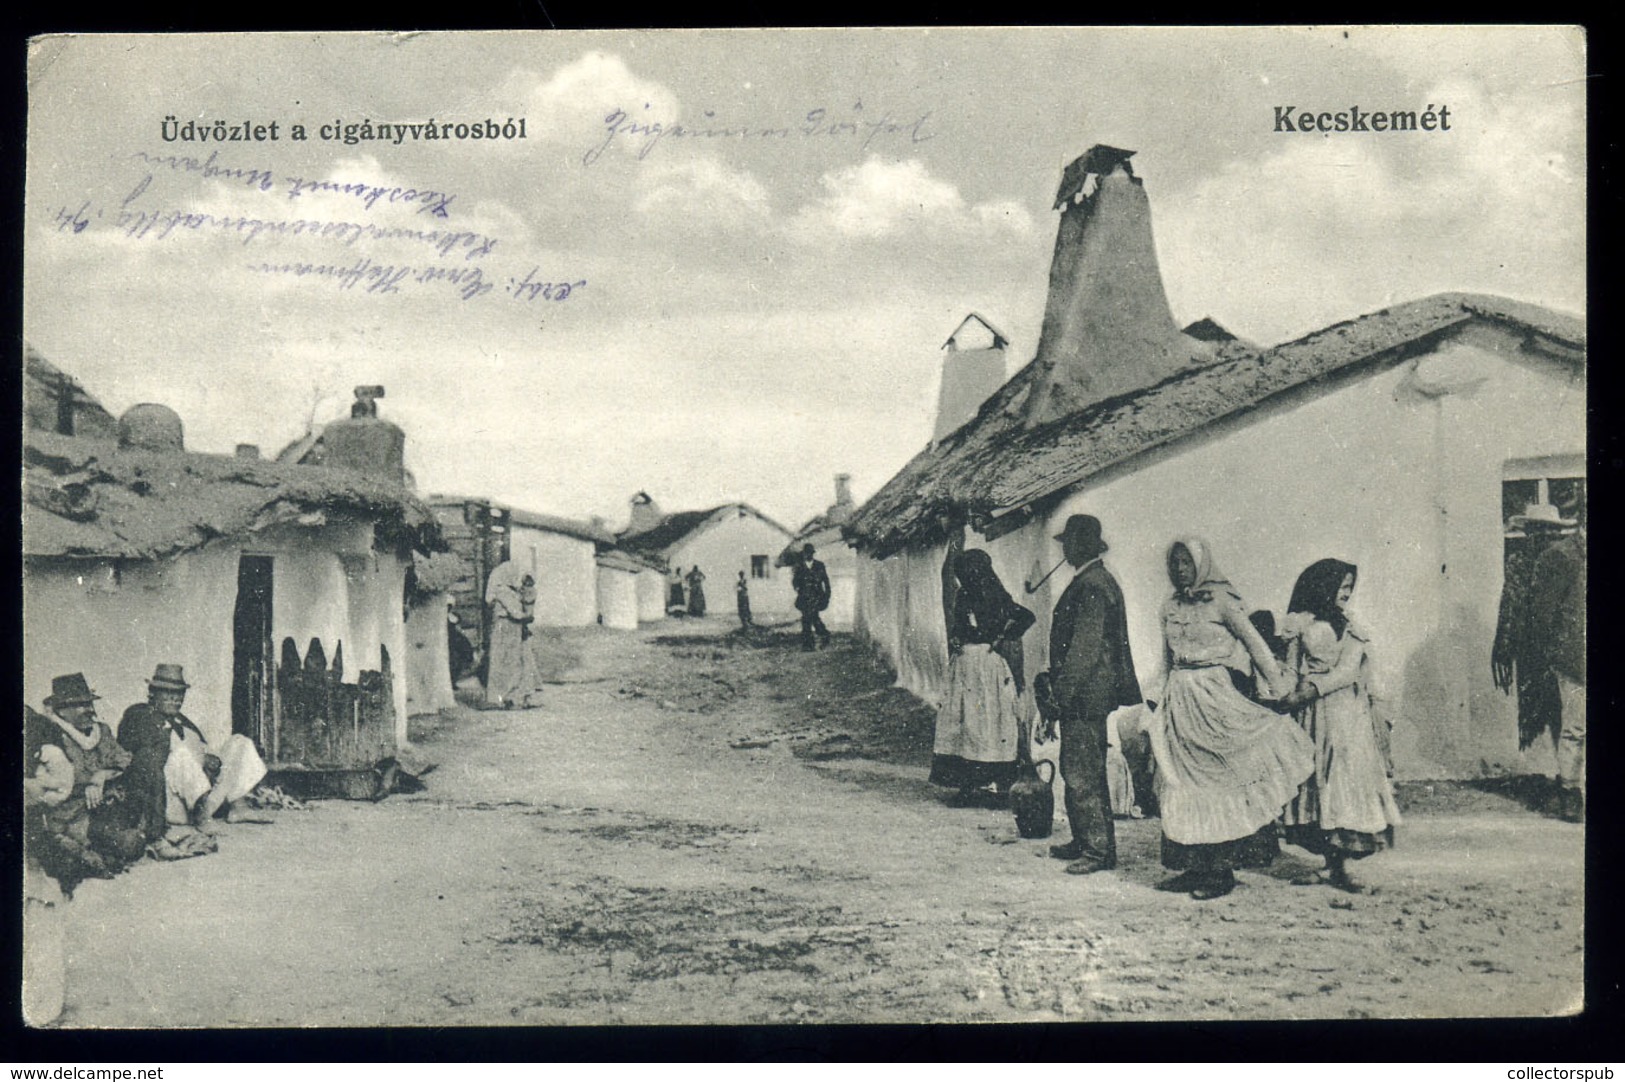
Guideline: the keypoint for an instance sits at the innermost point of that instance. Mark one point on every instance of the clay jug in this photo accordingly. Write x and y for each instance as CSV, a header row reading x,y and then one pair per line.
x,y
1032,798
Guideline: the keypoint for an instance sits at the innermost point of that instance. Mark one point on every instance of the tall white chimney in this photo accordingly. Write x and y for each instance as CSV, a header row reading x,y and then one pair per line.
x,y
972,369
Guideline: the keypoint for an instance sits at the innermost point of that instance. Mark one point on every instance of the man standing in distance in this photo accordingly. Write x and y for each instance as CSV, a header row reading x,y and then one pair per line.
x,y
811,582
1091,674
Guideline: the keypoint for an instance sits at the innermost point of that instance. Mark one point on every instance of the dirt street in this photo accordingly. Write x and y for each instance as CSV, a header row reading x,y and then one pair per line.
x,y
700,828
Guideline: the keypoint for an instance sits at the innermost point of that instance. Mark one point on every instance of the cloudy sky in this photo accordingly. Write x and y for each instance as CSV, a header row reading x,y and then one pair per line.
x,y
760,311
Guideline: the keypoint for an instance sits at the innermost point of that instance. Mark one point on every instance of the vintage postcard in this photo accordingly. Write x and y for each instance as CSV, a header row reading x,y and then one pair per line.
x,y
815,526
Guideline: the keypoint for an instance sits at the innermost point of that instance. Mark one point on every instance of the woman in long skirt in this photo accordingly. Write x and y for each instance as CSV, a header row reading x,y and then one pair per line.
x,y
510,681
696,592
1226,765
977,726
1346,810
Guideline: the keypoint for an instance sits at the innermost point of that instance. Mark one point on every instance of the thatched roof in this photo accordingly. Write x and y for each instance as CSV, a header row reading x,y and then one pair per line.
x,y
674,529
91,499
993,465
569,527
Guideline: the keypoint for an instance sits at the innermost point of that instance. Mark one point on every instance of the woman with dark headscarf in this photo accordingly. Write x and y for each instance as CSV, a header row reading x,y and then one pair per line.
x,y
1346,810
1226,765
977,725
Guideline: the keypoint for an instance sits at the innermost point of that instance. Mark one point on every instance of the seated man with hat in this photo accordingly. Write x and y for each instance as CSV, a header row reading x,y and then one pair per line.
x,y
182,779
76,829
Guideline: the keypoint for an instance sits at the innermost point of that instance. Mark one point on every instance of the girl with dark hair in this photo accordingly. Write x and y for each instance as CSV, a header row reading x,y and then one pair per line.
x,y
976,734
1226,765
1346,810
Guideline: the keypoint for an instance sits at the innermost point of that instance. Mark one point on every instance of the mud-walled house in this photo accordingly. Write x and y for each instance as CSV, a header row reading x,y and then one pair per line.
x,y
823,533
560,553
279,588
1395,440
721,541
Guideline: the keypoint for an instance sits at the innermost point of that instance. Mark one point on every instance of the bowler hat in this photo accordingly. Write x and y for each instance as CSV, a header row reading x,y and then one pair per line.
x,y
70,690
807,550
1086,530
168,678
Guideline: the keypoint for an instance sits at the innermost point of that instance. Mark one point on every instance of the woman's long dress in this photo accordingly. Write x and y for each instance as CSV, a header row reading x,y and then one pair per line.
x,y
1226,765
696,594
977,724
1347,806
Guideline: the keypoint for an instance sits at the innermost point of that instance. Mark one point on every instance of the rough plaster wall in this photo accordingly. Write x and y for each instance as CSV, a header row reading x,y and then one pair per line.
x,y
566,575
428,665
724,550
651,590
618,598
176,611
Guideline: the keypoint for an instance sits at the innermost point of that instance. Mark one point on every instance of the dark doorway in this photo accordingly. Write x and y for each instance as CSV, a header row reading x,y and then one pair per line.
x,y
252,658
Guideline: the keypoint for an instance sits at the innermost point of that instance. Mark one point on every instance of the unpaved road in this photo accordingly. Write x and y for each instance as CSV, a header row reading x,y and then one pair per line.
x,y
611,858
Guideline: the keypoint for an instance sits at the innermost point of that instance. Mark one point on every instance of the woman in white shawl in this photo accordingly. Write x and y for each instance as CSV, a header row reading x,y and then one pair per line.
x,y
1226,765
511,679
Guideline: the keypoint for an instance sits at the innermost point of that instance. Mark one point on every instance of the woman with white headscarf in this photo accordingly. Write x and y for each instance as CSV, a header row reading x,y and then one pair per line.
x,y
510,672
1226,765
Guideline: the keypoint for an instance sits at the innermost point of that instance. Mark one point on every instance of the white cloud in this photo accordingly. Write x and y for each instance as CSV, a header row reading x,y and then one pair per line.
x,y
704,191
570,106
1328,227
879,199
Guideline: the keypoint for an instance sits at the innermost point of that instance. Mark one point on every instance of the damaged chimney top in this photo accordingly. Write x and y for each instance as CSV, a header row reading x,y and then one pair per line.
x,y
1107,326
366,400
364,442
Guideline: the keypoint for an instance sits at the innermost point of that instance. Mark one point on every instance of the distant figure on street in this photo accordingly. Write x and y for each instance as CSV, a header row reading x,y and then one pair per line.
x,y
676,603
811,583
509,681
1091,674
1346,810
978,725
1557,628
177,776
1517,659
1226,765
696,591
742,596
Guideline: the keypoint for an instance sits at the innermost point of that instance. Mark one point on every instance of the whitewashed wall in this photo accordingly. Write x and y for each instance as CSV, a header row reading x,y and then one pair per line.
x,y
327,583
652,591
1405,484
428,672
566,575
723,550
618,598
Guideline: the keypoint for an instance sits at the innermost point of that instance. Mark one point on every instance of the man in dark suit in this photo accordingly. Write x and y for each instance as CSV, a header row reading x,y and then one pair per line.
x,y
811,582
1091,673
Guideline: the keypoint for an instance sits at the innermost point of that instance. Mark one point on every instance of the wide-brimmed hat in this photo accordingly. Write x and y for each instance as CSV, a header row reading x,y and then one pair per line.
x,y
1085,529
168,678
70,690
1543,514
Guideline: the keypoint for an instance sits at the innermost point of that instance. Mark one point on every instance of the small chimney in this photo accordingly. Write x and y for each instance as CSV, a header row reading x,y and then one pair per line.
x,y
248,450
646,514
843,490
971,372
1107,327
364,442
151,427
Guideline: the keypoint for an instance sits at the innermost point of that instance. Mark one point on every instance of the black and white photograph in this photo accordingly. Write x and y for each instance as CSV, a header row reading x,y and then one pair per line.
x,y
804,527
